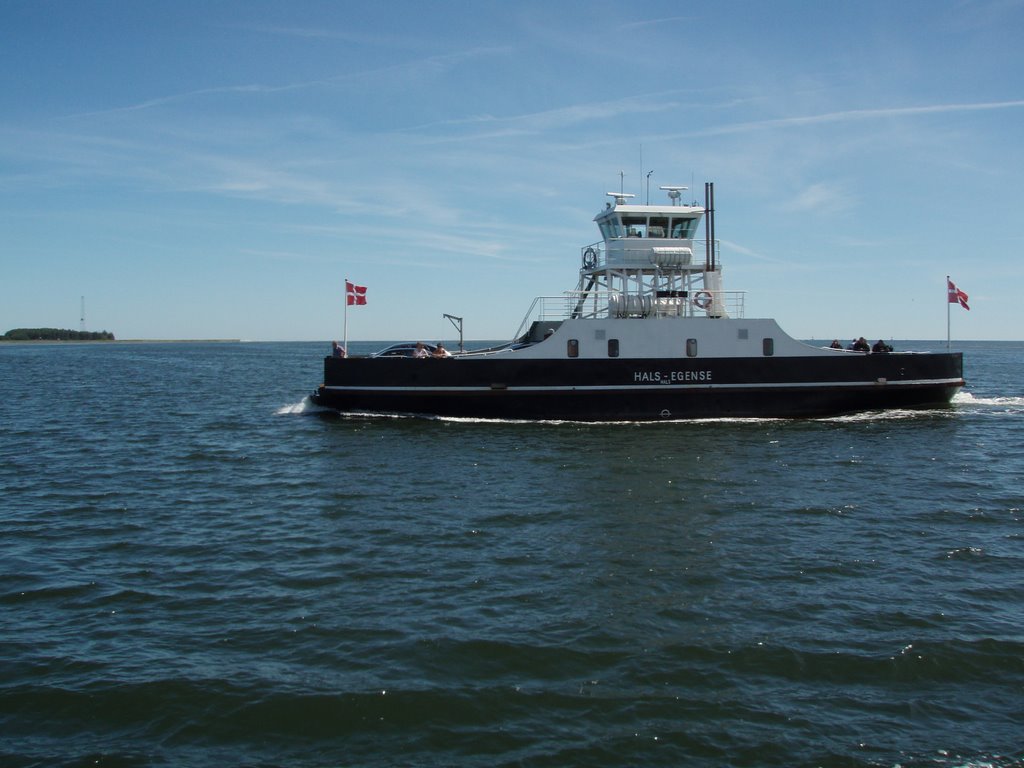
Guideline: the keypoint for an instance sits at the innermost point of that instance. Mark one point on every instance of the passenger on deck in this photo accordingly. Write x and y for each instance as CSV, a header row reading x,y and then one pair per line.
x,y
861,345
337,350
836,344
881,346
420,351
440,351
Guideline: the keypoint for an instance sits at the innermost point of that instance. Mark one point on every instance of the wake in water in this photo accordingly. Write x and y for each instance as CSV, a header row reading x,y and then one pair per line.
x,y
992,404
305,405
961,399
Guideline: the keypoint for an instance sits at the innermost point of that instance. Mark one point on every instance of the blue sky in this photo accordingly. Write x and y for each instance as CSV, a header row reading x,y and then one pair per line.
x,y
217,169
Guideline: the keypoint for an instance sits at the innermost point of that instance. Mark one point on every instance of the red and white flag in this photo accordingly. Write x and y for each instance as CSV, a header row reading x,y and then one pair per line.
x,y
956,296
355,294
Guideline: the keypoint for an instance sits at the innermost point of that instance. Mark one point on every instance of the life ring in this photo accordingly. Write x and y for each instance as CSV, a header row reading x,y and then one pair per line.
x,y
589,258
702,299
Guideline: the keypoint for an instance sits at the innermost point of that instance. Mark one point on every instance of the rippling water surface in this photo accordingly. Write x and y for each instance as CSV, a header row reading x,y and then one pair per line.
x,y
198,569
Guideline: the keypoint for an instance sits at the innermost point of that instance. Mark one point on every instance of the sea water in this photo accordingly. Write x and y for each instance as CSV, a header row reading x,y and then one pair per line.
x,y
197,568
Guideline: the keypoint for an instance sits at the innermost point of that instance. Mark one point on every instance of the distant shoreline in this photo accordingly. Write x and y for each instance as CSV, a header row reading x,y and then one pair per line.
x,y
119,341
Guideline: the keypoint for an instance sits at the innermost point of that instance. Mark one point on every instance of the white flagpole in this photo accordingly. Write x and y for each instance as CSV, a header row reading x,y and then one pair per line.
x,y
345,337
947,313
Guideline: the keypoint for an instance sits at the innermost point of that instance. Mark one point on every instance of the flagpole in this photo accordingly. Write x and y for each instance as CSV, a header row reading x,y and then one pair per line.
x,y
947,313
345,337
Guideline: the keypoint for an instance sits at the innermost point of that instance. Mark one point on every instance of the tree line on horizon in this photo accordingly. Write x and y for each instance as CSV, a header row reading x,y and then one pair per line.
x,y
55,334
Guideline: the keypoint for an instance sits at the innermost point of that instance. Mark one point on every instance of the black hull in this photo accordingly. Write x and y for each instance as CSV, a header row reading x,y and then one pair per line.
x,y
640,390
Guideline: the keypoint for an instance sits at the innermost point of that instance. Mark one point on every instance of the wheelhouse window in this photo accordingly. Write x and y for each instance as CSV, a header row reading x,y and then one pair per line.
x,y
683,228
610,227
635,226
676,227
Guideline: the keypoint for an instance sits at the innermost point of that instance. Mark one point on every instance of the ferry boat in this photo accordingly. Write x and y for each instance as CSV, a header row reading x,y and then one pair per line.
x,y
649,333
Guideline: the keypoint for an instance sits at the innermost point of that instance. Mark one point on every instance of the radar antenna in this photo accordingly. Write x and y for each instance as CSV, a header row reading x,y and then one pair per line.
x,y
674,193
620,197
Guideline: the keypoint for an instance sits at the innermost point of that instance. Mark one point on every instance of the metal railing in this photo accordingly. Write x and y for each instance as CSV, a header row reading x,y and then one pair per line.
x,y
595,255
604,304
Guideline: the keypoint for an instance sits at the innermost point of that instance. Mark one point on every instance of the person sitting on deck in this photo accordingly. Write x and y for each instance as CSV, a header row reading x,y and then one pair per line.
x,y
440,351
861,345
337,350
420,351
881,346
836,344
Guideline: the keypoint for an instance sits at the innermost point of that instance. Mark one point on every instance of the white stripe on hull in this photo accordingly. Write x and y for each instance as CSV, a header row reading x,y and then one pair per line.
x,y
653,387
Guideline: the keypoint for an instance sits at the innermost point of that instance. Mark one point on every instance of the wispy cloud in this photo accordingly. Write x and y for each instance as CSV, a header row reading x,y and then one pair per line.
x,y
657,22
603,112
820,198
985,13
574,114
731,246
323,33
353,35
837,117
200,92
863,114
430,65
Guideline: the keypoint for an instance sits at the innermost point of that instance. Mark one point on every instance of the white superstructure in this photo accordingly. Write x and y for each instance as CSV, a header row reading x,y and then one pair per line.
x,y
653,284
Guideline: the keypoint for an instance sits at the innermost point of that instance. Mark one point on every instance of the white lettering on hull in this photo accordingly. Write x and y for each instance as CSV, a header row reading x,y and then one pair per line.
x,y
670,377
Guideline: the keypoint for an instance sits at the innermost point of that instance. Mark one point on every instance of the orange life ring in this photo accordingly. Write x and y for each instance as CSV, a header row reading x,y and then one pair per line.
x,y
702,299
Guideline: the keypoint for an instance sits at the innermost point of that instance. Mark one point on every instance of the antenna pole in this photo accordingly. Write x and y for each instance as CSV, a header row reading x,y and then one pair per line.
x,y
82,320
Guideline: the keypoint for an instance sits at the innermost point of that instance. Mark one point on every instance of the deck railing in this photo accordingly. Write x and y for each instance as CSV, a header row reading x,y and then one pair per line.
x,y
604,304
646,253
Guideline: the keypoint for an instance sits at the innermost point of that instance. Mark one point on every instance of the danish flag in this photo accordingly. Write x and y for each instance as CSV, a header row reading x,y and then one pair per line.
x,y
355,294
956,296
